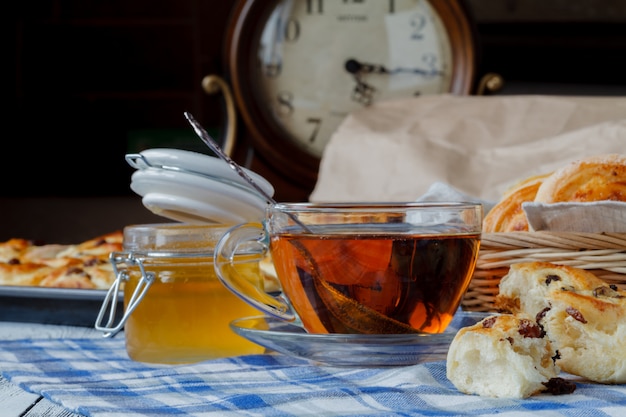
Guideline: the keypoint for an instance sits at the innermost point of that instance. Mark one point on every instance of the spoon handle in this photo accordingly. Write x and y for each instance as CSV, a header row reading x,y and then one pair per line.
x,y
208,140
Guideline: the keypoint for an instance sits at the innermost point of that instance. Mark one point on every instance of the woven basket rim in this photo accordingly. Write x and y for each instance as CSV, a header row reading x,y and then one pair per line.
x,y
604,254
560,240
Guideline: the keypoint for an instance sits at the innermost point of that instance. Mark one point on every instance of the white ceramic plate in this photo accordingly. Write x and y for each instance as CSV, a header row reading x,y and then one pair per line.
x,y
191,198
195,163
352,349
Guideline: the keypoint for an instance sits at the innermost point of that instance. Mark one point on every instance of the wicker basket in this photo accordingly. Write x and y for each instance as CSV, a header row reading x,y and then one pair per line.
x,y
604,254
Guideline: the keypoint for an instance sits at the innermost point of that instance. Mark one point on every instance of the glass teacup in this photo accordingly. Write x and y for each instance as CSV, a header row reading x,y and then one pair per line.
x,y
372,268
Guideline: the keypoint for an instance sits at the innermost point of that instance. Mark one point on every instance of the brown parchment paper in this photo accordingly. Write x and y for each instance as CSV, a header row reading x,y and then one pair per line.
x,y
394,150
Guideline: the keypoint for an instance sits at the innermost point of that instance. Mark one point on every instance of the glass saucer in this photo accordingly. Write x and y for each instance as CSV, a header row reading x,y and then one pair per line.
x,y
352,349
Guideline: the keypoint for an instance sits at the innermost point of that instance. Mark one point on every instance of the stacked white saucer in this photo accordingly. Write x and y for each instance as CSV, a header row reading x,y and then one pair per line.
x,y
196,188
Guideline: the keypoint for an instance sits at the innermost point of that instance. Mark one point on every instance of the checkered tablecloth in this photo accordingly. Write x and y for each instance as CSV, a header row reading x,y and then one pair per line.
x,y
95,377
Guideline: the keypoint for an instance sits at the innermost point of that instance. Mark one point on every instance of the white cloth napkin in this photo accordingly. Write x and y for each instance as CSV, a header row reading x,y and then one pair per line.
x,y
594,217
440,191
480,145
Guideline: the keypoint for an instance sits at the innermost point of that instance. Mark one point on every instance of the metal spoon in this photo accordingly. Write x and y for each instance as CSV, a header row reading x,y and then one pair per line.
x,y
210,142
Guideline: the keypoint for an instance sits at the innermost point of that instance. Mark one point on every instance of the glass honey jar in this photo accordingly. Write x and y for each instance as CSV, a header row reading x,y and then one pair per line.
x,y
175,308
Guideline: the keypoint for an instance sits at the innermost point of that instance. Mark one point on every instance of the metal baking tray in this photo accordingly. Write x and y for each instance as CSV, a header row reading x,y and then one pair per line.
x,y
65,306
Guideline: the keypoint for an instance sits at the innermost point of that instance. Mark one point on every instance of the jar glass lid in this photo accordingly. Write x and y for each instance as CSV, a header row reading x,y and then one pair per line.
x,y
173,237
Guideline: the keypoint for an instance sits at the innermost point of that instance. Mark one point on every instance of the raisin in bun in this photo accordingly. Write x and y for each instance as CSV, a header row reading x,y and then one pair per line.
x,y
600,177
584,317
507,215
504,356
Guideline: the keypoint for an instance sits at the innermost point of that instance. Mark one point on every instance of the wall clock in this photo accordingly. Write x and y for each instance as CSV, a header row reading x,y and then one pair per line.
x,y
297,68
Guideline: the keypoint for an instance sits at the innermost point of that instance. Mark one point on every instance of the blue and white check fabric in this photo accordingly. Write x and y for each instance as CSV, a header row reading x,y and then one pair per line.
x,y
95,377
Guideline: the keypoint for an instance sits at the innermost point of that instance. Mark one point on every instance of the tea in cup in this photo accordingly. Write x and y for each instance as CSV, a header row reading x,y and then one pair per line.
x,y
376,268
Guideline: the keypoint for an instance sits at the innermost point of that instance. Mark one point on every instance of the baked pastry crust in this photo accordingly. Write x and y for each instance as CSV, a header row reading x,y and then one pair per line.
x,y
584,317
84,265
507,215
12,249
596,178
23,273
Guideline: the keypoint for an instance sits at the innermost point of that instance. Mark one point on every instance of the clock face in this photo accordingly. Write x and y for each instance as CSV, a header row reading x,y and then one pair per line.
x,y
316,61
299,67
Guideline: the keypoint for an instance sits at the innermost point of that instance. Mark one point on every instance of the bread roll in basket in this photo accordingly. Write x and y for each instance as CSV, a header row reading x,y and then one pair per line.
x,y
508,239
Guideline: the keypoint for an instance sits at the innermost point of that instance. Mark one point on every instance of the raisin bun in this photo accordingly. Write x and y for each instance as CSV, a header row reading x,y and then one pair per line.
x,y
601,177
525,288
589,330
508,215
584,317
504,356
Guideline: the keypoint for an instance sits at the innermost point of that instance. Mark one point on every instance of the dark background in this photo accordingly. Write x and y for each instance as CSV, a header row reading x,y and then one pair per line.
x,y
94,80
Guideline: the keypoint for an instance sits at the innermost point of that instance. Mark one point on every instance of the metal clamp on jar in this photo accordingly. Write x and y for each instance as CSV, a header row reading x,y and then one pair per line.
x,y
175,308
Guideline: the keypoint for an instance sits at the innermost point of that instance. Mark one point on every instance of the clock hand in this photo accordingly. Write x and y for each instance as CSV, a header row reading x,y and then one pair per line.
x,y
355,67
362,92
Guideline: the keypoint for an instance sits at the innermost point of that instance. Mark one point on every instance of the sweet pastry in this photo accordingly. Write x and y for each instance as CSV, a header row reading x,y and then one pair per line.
x,y
89,273
583,316
596,178
84,265
507,215
504,356
30,274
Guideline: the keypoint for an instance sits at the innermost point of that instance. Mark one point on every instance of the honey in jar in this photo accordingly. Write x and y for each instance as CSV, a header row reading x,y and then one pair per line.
x,y
184,313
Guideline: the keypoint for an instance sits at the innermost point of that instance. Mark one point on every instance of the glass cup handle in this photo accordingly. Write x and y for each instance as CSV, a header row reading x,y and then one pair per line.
x,y
246,243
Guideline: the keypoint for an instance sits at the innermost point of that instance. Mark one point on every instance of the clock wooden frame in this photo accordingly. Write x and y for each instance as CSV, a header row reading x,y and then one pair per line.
x,y
273,144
